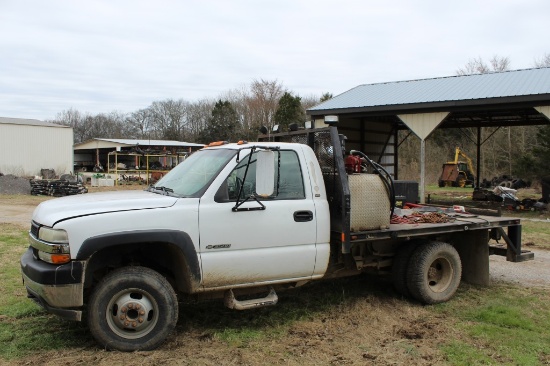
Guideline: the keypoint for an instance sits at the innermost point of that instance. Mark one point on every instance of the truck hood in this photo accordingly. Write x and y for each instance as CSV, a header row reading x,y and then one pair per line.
x,y
51,212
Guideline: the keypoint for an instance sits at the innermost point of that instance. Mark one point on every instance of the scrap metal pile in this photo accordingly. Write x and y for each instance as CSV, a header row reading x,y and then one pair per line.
x,y
421,218
65,186
420,214
508,198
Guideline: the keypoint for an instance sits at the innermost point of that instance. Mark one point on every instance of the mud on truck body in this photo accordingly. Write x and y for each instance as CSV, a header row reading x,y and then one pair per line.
x,y
243,219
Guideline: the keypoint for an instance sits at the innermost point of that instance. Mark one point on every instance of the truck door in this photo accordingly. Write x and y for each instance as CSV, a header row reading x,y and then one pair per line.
x,y
275,244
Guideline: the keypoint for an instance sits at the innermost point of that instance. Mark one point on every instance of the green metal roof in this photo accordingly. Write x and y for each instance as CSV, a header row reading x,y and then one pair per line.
x,y
454,91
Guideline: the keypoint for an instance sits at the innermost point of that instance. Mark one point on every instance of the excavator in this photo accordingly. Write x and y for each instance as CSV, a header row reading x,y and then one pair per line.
x,y
457,173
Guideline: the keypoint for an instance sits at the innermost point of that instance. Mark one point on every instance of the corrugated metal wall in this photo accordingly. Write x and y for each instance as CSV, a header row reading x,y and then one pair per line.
x,y
375,139
25,149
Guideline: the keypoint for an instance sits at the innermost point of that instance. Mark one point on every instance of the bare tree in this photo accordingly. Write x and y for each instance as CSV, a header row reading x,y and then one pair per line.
x,y
263,101
198,115
140,121
73,118
479,66
169,119
544,61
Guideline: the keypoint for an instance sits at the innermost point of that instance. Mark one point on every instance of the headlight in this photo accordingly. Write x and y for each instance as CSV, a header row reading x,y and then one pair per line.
x,y
52,245
53,235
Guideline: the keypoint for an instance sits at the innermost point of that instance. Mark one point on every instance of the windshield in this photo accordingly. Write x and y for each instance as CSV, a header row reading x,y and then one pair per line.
x,y
193,176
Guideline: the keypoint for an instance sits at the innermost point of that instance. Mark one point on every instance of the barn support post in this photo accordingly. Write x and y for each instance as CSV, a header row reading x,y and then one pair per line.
x,y
396,154
422,125
478,155
421,188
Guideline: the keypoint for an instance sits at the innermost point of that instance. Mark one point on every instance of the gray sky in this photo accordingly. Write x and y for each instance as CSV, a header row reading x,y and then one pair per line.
x,y
102,56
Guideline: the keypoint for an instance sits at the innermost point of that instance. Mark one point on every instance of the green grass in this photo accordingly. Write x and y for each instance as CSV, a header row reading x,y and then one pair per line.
x,y
536,233
504,325
24,327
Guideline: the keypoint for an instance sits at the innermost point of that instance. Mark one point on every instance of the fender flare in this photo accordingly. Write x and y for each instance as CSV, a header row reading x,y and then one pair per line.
x,y
179,239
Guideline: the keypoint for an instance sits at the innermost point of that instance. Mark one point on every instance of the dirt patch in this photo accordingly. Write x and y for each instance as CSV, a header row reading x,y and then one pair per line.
x,y
18,209
365,331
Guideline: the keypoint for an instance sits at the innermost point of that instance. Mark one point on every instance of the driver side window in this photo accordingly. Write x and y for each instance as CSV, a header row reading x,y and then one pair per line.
x,y
288,183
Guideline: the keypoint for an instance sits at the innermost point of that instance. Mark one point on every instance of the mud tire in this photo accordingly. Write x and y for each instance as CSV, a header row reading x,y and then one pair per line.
x,y
132,308
434,272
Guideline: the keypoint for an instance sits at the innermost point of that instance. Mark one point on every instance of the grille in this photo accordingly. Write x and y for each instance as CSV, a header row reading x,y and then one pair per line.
x,y
34,229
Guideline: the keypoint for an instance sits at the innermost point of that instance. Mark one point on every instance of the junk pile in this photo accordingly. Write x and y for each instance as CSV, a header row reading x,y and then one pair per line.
x,y
505,181
507,196
66,185
419,214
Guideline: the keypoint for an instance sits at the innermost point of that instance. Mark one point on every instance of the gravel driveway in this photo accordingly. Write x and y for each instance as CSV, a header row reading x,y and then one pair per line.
x,y
535,273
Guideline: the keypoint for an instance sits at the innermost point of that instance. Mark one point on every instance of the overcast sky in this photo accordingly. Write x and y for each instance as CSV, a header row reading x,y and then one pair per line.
x,y
121,55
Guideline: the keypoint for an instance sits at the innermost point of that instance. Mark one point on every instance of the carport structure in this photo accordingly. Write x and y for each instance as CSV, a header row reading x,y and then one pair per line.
x,y
371,115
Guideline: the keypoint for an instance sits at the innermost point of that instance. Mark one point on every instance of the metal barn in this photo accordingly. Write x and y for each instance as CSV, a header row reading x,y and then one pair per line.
x,y
29,145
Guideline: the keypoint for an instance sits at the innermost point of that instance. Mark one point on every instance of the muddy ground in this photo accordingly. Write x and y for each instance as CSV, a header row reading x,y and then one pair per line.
x,y
375,328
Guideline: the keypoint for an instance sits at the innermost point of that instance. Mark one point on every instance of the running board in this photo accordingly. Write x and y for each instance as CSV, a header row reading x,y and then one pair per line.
x,y
232,303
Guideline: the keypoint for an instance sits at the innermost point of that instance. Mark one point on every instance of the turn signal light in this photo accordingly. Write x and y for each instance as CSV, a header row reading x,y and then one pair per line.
x,y
54,258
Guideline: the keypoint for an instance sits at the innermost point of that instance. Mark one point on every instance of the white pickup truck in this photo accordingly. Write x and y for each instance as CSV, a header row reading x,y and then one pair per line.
x,y
242,219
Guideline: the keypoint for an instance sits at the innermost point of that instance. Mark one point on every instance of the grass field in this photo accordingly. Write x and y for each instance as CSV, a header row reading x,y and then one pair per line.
x,y
357,320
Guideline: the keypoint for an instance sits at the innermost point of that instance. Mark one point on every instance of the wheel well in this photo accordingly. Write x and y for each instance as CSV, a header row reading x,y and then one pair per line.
x,y
165,258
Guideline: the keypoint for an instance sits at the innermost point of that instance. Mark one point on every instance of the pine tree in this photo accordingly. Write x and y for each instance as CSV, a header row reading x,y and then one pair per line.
x,y
289,111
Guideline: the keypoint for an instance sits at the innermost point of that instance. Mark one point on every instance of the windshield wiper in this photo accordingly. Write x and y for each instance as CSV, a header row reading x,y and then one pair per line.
x,y
167,191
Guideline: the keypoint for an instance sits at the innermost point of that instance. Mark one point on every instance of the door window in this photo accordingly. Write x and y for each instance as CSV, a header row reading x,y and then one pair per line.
x,y
288,183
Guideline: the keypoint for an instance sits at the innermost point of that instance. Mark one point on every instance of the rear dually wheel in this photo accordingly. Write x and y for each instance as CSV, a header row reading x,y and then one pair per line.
x,y
434,272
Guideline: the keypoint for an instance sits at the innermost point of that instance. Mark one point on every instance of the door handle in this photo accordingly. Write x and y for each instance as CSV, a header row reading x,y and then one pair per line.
x,y
303,216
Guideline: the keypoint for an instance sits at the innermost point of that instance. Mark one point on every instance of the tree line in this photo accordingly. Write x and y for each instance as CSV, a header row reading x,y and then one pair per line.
x,y
237,115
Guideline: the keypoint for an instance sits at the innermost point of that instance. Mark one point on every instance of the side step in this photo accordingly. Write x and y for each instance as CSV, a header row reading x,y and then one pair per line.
x,y
232,303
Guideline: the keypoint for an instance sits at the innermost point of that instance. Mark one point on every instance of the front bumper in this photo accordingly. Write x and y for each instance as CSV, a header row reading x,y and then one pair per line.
x,y
57,288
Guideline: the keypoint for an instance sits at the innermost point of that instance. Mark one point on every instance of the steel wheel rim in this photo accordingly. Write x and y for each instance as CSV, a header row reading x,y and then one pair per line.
x,y
132,313
440,275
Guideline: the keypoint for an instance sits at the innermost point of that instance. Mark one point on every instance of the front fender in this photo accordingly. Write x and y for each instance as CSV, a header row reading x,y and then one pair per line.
x,y
179,239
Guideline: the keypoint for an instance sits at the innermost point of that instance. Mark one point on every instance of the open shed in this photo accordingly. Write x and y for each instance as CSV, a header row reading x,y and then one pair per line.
x,y
370,115
95,152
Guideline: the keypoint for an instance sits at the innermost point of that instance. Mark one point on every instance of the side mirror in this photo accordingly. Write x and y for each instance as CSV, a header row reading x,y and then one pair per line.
x,y
265,173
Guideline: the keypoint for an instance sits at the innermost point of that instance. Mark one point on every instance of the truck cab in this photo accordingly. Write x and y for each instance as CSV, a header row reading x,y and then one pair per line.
x,y
213,224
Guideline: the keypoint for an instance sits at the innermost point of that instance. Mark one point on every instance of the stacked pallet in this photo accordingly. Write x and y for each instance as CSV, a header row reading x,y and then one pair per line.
x,y
56,188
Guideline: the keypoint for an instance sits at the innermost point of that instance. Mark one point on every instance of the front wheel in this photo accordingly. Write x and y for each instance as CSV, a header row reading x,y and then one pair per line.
x,y
434,272
132,308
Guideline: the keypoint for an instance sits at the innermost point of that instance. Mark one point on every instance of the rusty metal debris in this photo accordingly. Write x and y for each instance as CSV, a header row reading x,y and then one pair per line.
x,y
421,218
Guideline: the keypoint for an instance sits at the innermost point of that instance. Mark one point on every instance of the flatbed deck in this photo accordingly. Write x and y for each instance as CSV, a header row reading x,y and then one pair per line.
x,y
459,223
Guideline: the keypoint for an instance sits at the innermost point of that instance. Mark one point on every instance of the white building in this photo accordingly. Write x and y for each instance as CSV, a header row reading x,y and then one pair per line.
x,y
29,145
